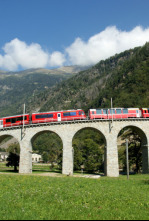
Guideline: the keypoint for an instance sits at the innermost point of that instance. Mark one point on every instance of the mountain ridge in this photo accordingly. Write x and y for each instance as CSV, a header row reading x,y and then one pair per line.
x,y
82,89
17,88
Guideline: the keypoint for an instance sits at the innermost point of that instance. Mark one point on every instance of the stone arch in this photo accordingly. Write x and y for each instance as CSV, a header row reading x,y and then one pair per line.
x,y
99,132
92,128
15,147
4,136
144,143
44,131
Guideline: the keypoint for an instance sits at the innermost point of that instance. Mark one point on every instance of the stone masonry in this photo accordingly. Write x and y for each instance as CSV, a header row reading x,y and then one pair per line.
x,y
67,131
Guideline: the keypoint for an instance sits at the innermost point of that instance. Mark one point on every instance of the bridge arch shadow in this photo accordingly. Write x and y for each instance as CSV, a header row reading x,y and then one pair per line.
x,y
49,146
138,148
89,145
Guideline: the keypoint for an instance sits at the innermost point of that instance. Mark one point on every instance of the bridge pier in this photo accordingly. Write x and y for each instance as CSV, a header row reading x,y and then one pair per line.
x,y
111,164
68,157
25,157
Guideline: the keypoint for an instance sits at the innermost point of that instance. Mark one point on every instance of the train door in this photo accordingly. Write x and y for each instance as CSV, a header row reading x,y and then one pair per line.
x,y
59,117
1,124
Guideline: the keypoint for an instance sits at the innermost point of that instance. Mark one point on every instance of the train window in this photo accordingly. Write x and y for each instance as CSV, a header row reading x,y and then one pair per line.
x,y
125,111
13,120
104,111
67,114
8,120
118,111
112,111
99,111
93,112
83,113
41,116
73,114
148,111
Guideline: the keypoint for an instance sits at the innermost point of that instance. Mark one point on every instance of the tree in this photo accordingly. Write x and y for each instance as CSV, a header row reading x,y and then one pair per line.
x,y
88,150
13,158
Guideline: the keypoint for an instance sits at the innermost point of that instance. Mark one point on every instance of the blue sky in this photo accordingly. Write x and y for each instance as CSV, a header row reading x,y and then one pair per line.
x,y
52,33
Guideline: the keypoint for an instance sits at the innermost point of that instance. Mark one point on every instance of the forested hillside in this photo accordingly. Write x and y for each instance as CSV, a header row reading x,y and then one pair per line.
x,y
125,77
17,88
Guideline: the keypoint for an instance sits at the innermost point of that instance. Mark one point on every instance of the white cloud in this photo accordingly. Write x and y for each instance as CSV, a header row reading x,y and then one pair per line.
x,y
18,54
57,59
105,44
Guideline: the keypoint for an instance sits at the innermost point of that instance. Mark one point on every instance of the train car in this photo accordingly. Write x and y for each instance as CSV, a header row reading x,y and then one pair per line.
x,y
115,113
57,116
98,114
145,112
15,120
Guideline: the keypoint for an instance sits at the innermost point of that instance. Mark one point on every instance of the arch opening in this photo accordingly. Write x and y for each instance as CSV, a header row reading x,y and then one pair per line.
x,y
9,153
47,150
138,145
89,146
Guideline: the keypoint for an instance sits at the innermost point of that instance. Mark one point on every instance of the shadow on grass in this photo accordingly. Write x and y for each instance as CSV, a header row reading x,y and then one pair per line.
x,y
88,173
8,171
46,171
146,182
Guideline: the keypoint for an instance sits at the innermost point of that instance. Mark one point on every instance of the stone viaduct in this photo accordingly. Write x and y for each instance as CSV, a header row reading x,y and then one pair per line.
x,y
67,130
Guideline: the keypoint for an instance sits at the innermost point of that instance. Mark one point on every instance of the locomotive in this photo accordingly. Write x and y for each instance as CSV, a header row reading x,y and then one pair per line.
x,y
72,115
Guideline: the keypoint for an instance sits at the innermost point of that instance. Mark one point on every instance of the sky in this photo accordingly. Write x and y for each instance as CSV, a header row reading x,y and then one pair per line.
x,y
55,33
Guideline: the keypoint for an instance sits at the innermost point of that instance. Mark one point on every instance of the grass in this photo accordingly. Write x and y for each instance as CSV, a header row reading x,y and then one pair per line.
x,y
68,198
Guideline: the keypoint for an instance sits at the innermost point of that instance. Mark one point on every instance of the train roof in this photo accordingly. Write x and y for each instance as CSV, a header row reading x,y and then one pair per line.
x,y
115,108
56,111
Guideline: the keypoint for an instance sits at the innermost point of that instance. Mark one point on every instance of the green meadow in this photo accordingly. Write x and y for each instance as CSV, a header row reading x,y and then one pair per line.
x,y
34,197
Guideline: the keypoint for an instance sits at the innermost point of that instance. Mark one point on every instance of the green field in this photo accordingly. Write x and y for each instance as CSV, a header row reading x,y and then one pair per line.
x,y
36,197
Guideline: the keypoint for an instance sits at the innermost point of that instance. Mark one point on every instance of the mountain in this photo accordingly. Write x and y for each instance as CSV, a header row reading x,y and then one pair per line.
x,y
17,88
124,77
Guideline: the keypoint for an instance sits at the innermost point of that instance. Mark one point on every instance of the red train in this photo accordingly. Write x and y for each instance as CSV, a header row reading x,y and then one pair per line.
x,y
35,118
71,115
58,116
115,113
